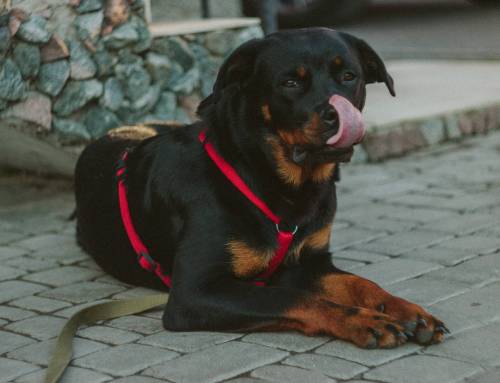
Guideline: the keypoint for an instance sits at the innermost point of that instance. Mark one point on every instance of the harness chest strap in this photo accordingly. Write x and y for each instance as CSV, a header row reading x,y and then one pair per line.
x,y
284,238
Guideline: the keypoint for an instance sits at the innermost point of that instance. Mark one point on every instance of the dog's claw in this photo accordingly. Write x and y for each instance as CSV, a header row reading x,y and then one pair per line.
x,y
409,334
377,334
442,329
422,322
381,308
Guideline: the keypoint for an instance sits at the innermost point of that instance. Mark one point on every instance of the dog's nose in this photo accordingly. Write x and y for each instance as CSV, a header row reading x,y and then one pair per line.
x,y
329,116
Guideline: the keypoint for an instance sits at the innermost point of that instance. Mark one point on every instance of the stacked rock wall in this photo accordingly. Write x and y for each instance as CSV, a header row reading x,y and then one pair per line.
x,y
70,70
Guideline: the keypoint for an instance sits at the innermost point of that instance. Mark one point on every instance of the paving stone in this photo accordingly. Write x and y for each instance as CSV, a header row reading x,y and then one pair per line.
x,y
65,254
386,224
473,308
39,353
30,264
401,243
247,380
9,237
125,359
39,304
391,188
361,256
397,270
66,313
137,379
11,369
15,289
40,327
7,273
333,367
63,275
475,244
289,374
425,291
71,375
8,252
287,341
369,358
346,264
109,335
351,236
492,376
138,324
13,314
423,369
187,341
441,255
478,271
135,292
10,341
45,241
83,292
216,363
465,346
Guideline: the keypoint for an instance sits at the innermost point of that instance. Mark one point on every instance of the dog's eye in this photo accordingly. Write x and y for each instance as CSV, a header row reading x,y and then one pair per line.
x,y
348,76
291,83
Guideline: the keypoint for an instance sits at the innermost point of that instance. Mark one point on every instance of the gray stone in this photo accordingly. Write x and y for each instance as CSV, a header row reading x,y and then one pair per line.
x,y
475,244
40,304
45,241
76,95
89,25
166,106
470,223
423,369
352,236
125,359
397,270
287,341
31,264
71,375
401,243
369,358
82,65
159,66
13,314
112,97
68,312
145,103
34,30
121,36
63,275
105,61
334,367
82,292
10,252
10,341
426,291
12,87
27,58
71,130
144,36
53,76
40,327
277,373
221,42
109,335
55,49
137,379
134,78
16,289
175,48
3,104
11,369
492,376
437,254
100,120
216,363
7,273
187,83
433,130
40,353
138,324
465,346
187,341
452,128
88,6
361,256
5,39
346,264
35,109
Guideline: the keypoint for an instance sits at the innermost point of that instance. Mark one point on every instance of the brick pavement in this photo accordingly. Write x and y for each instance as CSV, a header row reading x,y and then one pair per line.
x,y
426,227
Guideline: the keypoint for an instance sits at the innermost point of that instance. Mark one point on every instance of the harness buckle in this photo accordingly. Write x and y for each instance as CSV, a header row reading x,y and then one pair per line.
x,y
295,229
146,261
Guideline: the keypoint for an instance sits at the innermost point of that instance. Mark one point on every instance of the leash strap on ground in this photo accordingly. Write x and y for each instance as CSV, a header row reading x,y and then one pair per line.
x,y
88,315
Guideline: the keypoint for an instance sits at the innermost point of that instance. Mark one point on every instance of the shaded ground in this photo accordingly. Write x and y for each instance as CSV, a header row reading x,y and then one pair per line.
x,y
425,227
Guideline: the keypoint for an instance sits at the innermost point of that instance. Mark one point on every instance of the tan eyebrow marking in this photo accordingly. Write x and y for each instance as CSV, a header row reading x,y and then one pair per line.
x,y
301,71
338,61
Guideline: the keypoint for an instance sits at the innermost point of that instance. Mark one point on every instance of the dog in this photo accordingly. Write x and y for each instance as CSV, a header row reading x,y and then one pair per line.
x,y
283,114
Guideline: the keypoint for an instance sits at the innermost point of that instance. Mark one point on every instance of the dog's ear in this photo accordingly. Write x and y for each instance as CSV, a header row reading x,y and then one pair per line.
x,y
238,67
373,66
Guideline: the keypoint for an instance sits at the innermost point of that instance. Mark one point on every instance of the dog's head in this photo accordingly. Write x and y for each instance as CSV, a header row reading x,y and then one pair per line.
x,y
298,94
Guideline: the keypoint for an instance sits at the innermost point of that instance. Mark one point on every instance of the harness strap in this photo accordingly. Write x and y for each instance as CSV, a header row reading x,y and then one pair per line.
x,y
143,257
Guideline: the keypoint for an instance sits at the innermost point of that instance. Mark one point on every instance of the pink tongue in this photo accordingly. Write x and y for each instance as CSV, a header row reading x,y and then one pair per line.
x,y
351,125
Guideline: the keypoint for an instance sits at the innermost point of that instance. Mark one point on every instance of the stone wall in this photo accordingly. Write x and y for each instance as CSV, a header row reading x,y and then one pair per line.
x,y
70,70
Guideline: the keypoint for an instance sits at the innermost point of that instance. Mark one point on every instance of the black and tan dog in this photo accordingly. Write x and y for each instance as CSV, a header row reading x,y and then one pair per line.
x,y
283,115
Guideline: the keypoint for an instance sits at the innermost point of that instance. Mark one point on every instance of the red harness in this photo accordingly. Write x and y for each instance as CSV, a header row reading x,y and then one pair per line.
x,y
284,238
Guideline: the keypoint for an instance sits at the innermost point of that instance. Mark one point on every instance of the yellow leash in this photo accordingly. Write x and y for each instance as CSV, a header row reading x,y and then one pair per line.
x,y
88,315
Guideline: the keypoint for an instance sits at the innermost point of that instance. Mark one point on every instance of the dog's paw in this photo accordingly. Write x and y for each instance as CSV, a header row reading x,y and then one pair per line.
x,y
370,329
424,328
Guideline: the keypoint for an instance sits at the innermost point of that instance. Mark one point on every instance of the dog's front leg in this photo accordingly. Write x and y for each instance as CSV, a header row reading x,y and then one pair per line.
x,y
231,305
